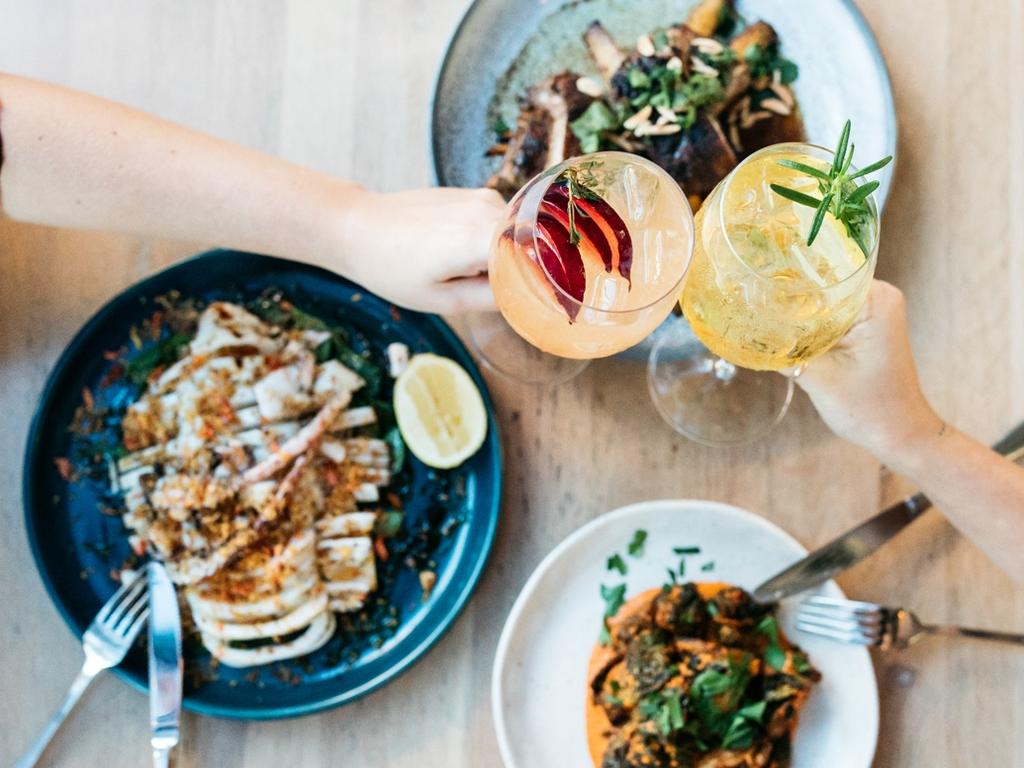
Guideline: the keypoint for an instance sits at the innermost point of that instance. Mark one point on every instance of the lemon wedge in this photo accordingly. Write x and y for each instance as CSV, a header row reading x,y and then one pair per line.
x,y
440,412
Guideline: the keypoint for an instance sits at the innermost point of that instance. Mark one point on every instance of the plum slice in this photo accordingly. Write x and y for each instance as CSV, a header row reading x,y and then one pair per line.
x,y
598,223
563,262
556,203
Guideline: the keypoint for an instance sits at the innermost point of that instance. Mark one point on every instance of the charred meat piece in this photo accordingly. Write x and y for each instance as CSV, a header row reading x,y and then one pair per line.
x,y
708,16
681,611
736,603
759,33
607,55
618,694
542,137
647,660
698,159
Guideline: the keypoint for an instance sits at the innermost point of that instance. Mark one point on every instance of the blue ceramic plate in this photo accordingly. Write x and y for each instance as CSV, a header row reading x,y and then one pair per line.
x,y
502,47
75,545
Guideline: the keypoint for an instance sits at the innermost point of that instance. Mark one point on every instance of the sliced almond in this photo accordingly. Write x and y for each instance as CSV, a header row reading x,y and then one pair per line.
x,y
675,64
665,115
698,65
776,105
640,117
707,45
785,95
644,45
664,130
753,118
589,86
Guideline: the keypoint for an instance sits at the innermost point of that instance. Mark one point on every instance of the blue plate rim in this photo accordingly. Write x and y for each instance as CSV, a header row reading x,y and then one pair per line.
x,y
892,127
440,628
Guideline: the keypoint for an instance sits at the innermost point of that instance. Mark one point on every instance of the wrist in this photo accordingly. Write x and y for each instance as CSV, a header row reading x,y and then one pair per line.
x,y
341,220
916,432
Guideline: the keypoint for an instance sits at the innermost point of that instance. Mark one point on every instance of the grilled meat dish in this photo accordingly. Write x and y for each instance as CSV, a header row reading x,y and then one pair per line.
x,y
695,98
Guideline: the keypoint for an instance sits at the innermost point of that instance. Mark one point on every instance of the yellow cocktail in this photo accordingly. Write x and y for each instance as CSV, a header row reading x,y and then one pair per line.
x,y
757,294
784,255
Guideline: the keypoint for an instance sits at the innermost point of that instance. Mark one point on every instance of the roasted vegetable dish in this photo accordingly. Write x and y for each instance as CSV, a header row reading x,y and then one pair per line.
x,y
695,98
695,675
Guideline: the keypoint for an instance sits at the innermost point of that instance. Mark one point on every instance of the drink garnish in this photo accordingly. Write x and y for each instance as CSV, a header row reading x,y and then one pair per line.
x,y
563,262
591,224
841,195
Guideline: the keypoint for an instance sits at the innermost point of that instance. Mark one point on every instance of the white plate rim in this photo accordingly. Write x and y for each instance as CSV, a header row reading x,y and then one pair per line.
x,y
525,594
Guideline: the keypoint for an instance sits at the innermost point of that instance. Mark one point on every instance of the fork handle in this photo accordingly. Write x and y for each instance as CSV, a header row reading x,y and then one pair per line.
x,y
33,753
978,634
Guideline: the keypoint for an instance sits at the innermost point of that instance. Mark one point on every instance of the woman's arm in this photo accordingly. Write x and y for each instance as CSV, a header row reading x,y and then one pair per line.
x,y
74,160
867,390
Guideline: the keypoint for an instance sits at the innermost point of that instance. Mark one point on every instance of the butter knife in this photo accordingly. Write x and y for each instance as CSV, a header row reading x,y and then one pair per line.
x,y
165,665
857,543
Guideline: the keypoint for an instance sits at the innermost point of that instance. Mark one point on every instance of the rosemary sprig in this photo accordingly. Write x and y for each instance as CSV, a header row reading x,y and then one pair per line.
x,y
841,195
578,181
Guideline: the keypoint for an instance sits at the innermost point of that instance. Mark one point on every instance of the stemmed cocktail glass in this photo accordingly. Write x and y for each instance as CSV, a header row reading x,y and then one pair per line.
x,y
758,297
589,260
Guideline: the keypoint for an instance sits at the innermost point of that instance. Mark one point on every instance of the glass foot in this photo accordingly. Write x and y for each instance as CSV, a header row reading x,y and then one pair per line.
x,y
504,351
708,399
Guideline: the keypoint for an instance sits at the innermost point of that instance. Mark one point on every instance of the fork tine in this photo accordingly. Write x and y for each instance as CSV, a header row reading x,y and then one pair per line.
x,y
822,630
867,620
140,606
117,597
854,606
125,604
136,626
841,623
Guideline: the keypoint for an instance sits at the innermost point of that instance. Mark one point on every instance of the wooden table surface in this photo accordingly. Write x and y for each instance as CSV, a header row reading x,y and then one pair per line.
x,y
304,79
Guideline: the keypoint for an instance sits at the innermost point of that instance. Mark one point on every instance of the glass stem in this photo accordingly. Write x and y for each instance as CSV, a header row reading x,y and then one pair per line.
x,y
724,370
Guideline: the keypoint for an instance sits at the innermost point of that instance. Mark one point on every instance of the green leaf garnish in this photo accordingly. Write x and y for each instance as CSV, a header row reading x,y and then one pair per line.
x,y
841,195
636,546
591,126
616,563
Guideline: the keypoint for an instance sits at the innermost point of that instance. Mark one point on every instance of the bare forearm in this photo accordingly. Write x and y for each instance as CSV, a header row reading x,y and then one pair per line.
x,y
980,492
74,160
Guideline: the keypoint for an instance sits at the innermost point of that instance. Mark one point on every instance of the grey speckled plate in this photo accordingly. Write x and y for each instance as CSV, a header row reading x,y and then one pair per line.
x,y
503,46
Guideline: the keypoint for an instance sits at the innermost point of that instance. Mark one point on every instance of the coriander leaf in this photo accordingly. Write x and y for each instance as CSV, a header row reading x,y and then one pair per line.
x,y
613,598
636,545
774,655
591,125
616,563
164,352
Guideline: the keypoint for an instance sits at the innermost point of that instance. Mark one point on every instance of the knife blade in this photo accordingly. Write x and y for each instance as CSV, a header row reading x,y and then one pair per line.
x,y
165,664
856,544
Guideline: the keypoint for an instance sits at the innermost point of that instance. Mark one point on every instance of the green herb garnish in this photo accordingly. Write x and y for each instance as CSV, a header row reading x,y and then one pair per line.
x,y
708,566
686,550
616,563
591,126
636,546
774,655
841,195
578,182
613,598
766,61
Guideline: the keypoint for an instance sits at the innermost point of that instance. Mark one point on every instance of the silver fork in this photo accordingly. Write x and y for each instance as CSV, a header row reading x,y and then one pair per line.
x,y
850,621
105,643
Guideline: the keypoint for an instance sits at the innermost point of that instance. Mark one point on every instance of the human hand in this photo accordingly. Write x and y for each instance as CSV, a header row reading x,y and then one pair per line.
x,y
423,249
866,387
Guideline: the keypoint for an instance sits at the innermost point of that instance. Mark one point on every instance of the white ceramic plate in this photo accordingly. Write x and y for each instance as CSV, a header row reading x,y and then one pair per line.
x,y
539,684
